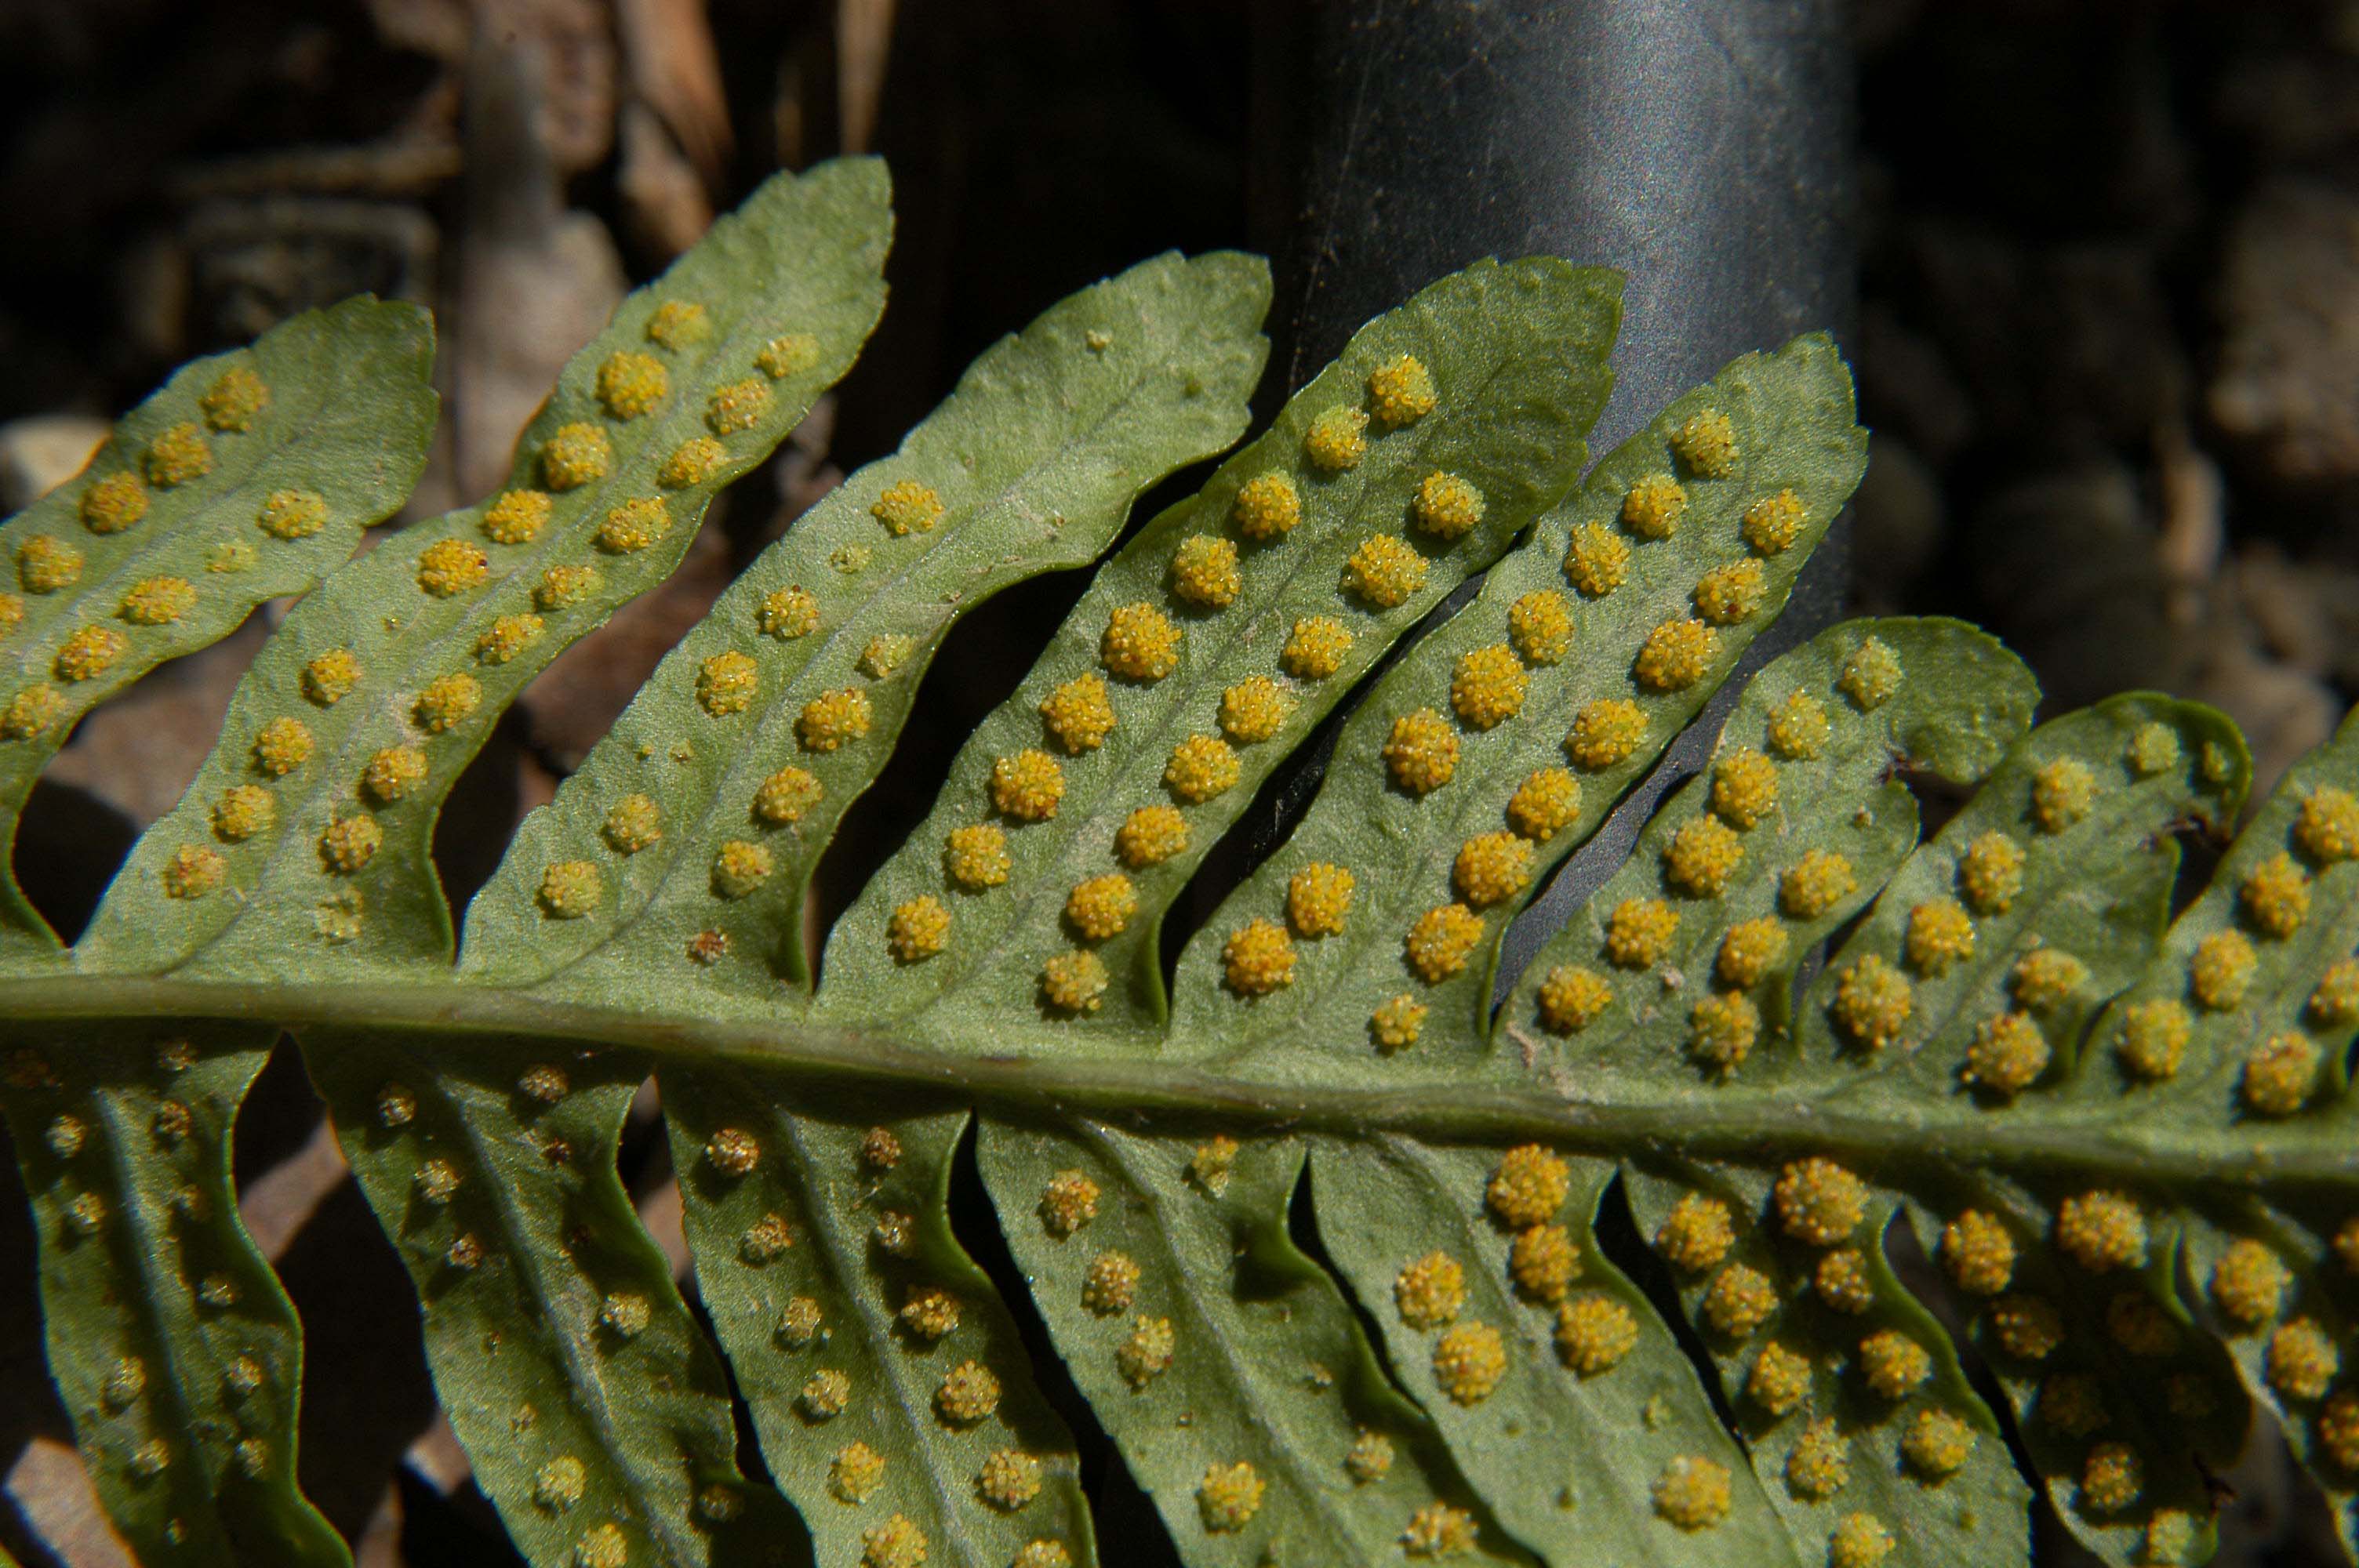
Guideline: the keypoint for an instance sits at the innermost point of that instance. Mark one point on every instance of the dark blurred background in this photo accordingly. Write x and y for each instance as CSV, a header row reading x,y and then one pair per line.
x,y
2107,336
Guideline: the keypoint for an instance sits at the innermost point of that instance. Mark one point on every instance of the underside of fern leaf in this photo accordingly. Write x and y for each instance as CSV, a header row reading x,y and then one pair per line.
x,y
1344,1262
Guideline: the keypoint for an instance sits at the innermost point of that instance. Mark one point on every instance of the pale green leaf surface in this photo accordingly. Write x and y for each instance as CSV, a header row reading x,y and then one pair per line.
x,y
175,1349
350,408
1517,356
1792,419
1568,1459
1035,461
799,259
1267,1367
865,1229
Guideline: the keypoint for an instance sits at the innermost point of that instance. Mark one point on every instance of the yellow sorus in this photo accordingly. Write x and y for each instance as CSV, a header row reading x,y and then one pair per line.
x,y
113,503
2028,1327
570,889
281,746
733,1151
2061,794
1593,1333
884,653
1111,1285
1697,1234
89,652
1750,950
2111,1479
895,1543
1211,1165
1529,1186
178,455
1492,868
1605,732
1150,836
12,613
1042,1555
576,454
1488,686
292,513
739,868
392,771
967,1395
562,586
631,384
1640,931
2102,1231
606,1546
1438,945
1740,1300
2221,971
726,683
1468,1362
1009,1479
1204,571
2044,977
1726,595
1978,1253
1860,1540
1437,1530
1255,710
676,323
2139,1324
975,855
1706,443
31,712
1544,1262
1447,506
785,795
634,526
437,1180
1722,1030
158,601
191,871
1421,751
1843,1281
1676,656
445,702
2154,1039
1100,906
544,1083
692,462
2337,1430
1870,675
1819,1463
1370,1457
2326,826
834,719
1140,644
1147,1354
1337,439
635,822
1544,805
2275,896
918,929
1229,1496
2280,1074
1799,730
1691,1493
788,612
1572,998
2301,1361
2335,1004
1894,1365
1744,788
929,1313
1201,767
1781,1379
1073,982
1990,872
1396,1023
1430,1292
2154,748
1772,523
1652,508
1401,391
1701,857
826,1394
1315,648
517,517
507,637
855,1472
1818,1202
242,811
1816,883
1596,561
799,1323
741,406
1383,571
1318,898
1079,714
1540,625
45,565
1266,506
2007,1054
1941,936
1937,1443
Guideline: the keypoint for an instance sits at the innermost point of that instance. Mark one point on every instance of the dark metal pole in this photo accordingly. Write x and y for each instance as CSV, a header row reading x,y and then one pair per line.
x,y
1703,146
